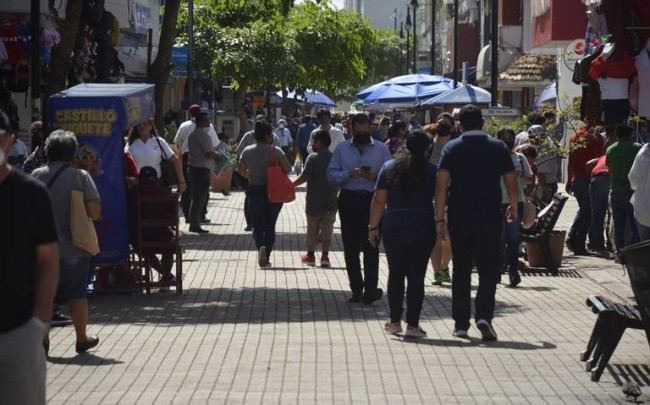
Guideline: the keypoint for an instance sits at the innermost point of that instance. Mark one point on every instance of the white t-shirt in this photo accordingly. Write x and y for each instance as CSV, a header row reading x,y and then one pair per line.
x,y
640,183
186,129
614,89
149,153
523,169
642,64
335,135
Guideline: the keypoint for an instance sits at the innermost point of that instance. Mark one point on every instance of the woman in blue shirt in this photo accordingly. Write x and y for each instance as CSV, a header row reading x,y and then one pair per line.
x,y
404,191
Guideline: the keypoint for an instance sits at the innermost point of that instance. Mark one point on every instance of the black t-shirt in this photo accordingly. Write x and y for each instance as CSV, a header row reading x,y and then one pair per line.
x,y
476,162
26,221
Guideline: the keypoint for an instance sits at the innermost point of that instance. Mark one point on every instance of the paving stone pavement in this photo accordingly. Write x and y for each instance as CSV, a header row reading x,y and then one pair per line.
x,y
286,335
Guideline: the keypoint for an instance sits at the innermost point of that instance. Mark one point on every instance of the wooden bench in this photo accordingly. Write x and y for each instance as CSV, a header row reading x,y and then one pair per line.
x,y
541,232
613,319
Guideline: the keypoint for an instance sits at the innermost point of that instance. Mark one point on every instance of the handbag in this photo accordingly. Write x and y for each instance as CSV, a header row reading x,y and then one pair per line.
x,y
81,226
82,229
280,188
168,176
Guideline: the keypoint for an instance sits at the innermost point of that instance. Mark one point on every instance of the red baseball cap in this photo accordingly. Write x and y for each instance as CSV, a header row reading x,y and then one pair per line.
x,y
194,109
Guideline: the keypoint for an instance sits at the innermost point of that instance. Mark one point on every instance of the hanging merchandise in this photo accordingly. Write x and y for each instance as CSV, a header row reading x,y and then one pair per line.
x,y
613,69
642,64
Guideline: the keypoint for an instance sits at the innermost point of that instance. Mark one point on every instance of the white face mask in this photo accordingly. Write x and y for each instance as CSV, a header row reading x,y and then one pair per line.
x,y
281,126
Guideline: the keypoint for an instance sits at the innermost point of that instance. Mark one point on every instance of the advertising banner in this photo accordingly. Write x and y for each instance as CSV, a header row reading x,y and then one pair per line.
x,y
99,115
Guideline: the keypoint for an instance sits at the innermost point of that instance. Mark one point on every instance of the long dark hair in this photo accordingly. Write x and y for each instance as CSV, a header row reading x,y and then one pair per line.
x,y
393,130
134,134
410,168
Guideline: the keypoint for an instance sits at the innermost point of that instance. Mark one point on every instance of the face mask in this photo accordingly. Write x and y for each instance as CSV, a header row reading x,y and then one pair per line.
x,y
443,130
3,157
361,138
281,126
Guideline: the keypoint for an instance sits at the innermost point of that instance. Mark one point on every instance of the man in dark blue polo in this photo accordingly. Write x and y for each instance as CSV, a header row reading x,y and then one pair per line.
x,y
354,168
471,168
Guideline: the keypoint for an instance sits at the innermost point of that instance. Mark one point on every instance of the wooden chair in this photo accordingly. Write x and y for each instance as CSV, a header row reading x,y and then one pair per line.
x,y
142,247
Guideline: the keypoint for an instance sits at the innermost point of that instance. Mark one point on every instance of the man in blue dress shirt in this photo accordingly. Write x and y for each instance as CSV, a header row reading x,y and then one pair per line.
x,y
354,168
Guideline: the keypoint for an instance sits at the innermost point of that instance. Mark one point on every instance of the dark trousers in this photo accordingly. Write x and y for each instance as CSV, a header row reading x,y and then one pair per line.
x,y
200,178
303,154
407,251
481,246
623,214
510,241
598,196
354,212
582,221
247,204
186,197
265,216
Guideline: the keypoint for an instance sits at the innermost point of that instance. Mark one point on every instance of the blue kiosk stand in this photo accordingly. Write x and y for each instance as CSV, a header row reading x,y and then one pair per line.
x,y
99,115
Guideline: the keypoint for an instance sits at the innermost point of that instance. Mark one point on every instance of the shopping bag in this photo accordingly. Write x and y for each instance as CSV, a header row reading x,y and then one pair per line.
x,y
280,188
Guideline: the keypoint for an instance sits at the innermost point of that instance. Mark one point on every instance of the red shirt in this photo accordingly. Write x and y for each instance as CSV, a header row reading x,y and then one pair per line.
x,y
600,168
130,168
615,69
583,147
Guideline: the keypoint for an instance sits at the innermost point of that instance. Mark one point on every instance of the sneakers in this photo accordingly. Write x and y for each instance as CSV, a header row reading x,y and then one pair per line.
x,y
415,332
262,259
165,281
393,328
370,297
446,278
309,260
442,277
60,320
325,262
461,333
487,331
515,279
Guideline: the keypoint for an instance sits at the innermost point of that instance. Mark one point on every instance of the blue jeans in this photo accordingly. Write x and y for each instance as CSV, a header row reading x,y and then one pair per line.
x,y
510,242
598,193
623,213
581,222
644,231
265,215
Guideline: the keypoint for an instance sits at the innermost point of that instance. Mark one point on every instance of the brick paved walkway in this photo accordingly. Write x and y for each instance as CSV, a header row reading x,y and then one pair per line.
x,y
287,335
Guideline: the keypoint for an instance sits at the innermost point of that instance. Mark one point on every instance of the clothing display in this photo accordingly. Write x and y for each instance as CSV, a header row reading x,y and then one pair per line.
x,y
613,74
590,103
642,64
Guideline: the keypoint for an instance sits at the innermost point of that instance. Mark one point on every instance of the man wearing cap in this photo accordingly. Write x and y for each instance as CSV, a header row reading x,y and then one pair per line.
x,y
182,135
470,172
29,270
336,135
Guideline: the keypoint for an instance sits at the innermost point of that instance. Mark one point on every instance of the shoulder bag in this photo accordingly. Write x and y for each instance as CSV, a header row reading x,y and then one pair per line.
x,y
280,189
168,176
81,226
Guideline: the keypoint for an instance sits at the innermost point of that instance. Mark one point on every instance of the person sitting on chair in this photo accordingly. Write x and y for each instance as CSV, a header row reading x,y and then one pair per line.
x,y
148,186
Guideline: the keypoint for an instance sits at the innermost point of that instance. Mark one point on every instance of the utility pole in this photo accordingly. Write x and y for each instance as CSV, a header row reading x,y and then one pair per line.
x,y
433,37
414,4
190,52
455,43
494,48
35,60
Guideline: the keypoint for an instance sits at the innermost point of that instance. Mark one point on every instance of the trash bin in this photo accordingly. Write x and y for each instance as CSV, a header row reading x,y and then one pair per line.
x,y
637,261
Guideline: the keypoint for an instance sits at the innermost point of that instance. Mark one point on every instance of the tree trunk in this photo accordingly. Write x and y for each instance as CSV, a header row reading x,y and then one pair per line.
x,y
239,97
62,53
161,66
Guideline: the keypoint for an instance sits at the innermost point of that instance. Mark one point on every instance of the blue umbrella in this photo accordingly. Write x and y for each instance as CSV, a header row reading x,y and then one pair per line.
x,y
548,95
391,93
414,79
466,94
313,97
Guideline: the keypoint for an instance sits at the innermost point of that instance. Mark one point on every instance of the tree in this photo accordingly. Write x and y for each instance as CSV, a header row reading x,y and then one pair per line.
x,y
161,66
61,54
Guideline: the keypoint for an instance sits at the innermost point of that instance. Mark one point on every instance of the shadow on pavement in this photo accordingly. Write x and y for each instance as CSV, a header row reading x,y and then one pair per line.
x,y
85,359
256,305
638,373
284,242
501,344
